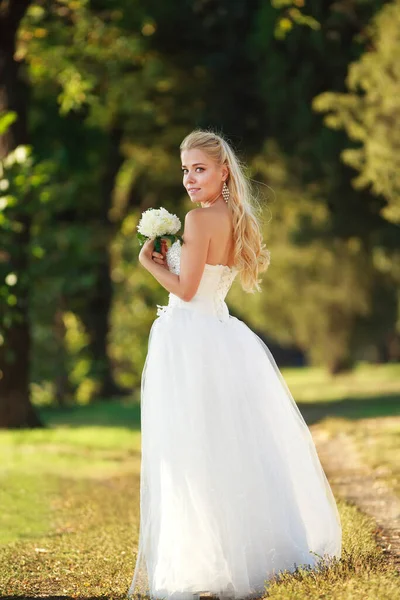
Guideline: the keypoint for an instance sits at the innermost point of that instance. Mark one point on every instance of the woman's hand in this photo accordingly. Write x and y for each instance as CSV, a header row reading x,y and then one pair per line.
x,y
147,253
160,257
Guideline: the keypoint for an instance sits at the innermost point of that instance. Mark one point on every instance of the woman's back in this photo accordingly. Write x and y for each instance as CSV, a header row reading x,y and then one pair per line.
x,y
221,248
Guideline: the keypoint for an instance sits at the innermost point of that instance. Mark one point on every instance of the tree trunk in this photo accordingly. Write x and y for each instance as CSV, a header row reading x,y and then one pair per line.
x,y
16,409
97,313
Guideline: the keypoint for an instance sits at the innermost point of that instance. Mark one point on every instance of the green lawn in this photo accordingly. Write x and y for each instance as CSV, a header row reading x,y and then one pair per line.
x,y
70,498
316,385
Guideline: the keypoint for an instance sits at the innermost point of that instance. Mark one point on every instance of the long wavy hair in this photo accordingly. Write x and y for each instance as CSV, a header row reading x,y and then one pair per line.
x,y
251,256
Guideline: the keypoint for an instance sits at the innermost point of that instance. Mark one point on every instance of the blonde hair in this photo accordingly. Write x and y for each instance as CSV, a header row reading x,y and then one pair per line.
x,y
251,256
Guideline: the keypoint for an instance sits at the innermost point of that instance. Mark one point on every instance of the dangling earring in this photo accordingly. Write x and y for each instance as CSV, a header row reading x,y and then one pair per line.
x,y
225,192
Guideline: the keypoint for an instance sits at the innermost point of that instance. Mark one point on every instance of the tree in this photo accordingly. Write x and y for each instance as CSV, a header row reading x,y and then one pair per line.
x,y
318,286
16,409
370,110
82,56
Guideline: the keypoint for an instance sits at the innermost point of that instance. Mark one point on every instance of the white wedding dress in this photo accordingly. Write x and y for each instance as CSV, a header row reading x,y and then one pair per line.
x,y
232,490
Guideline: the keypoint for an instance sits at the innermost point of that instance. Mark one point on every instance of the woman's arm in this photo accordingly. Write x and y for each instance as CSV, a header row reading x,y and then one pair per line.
x,y
193,257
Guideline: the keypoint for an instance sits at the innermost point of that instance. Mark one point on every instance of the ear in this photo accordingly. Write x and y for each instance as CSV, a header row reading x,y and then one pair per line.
x,y
225,172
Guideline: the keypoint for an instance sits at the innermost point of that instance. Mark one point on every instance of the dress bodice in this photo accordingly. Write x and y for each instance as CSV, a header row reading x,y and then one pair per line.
x,y
214,285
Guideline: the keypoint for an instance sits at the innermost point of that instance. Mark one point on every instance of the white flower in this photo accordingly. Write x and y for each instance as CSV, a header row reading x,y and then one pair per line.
x,y
158,221
4,185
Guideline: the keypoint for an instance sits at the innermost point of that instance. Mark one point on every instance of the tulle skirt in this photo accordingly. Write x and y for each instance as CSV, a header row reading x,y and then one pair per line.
x,y
232,491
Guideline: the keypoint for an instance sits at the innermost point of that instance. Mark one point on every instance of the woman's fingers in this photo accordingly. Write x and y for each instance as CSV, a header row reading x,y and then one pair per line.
x,y
157,255
158,258
164,246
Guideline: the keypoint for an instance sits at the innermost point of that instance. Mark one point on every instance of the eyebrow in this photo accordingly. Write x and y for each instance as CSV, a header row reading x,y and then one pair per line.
x,y
195,165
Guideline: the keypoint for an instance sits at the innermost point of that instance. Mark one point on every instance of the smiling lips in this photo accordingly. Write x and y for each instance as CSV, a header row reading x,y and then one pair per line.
x,y
193,190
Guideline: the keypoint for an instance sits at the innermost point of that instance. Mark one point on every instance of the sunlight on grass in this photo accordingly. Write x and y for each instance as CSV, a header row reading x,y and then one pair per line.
x,y
90,452
34,462
378,442
314,384
70,495
90,437
92,547
25,500
359,575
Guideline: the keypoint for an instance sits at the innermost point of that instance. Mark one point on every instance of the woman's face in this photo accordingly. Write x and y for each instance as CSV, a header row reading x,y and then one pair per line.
x,y
202,177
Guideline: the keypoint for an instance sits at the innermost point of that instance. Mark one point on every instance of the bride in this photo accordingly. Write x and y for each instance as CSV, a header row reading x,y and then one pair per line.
x,y
232,491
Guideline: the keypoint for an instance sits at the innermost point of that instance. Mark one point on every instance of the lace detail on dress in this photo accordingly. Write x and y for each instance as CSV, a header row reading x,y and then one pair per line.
x,y
174,257
174,263
225,282
212,290
161,309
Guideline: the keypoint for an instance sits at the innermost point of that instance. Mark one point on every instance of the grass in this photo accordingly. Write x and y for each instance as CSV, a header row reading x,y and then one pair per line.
x,y
361,574
69,519
364,403
88,549
70,499
24,512
377,441
316,385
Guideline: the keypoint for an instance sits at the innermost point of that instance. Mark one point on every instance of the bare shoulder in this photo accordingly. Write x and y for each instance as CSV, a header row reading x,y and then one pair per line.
x,y
210,215
196,215
197,219
196,225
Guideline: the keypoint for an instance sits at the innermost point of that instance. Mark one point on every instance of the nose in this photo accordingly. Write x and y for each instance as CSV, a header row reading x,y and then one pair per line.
x,y
190,177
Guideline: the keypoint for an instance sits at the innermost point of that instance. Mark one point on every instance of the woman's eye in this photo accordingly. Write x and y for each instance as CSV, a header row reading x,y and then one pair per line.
x,y
186,171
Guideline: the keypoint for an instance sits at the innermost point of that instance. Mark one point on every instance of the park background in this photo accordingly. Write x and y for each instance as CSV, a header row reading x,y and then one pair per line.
x,y
95,98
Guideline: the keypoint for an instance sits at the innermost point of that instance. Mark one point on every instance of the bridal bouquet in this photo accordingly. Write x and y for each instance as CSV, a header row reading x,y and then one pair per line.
x,y
160,225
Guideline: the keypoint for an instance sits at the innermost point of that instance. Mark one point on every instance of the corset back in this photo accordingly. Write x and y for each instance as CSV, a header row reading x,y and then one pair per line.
x,y
214,285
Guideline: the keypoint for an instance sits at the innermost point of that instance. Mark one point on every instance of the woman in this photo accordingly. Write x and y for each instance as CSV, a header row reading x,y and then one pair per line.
x,y
232,490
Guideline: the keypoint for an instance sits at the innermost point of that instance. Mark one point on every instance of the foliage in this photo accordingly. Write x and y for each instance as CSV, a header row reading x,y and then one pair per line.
x,y
6,120
369,111
114,88
291,14
24,191
317,285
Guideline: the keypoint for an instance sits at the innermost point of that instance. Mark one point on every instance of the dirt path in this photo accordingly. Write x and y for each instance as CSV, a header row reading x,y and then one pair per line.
x,y
354,481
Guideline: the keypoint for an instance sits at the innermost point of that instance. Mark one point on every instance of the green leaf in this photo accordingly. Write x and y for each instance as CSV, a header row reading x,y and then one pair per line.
x,y
142,238
6,120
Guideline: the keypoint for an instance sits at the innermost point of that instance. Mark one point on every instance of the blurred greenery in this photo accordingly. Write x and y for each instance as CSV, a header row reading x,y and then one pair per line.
x,y
96,97
369,110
